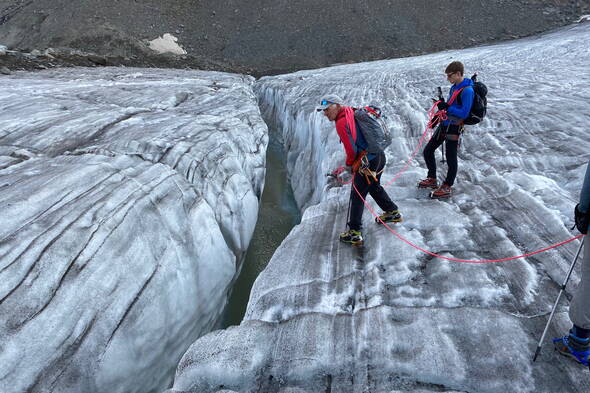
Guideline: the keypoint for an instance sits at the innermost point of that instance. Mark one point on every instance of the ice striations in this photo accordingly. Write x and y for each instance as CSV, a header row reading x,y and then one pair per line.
x,y
326,317
128,198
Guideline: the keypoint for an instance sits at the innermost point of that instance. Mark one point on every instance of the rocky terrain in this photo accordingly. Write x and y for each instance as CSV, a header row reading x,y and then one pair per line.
x,y
266,36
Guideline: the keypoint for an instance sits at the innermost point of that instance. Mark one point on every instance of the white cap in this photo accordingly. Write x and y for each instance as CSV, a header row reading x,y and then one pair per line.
x,y
328,100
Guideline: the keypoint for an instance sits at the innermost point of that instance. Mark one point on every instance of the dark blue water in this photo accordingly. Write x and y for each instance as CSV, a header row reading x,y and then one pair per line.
x,y
278,214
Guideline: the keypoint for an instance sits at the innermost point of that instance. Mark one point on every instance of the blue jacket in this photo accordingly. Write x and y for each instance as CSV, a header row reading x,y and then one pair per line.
x,y
458,112
585,194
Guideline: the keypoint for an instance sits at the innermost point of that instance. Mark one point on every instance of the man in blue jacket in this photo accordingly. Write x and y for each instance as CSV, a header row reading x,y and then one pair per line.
x,y
457,109
577,343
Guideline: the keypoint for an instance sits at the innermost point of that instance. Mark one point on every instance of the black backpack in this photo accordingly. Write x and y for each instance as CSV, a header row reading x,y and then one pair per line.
x,y
370,122
480,102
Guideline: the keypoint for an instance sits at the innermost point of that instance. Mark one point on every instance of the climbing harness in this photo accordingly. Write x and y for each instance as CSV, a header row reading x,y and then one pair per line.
x,y
366,171
360,161
369,174
361,166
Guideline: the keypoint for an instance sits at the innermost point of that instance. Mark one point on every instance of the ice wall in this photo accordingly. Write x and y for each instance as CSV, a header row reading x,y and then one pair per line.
x,y
128,198
327,317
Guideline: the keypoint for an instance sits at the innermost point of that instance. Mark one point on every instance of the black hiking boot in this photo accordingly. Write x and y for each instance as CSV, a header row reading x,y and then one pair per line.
x,y
390,216
353,237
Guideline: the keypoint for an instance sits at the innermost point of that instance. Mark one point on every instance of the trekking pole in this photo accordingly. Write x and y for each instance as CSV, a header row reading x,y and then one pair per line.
x,y
349,203
442,145
567,278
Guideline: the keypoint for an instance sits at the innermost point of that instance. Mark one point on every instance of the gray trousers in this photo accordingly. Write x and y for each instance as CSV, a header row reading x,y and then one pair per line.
x,y
580,307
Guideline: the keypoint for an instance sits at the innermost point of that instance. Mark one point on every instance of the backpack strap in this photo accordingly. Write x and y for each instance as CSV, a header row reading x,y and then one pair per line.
x,y
349,114
459,101
376,112
457,96
454,96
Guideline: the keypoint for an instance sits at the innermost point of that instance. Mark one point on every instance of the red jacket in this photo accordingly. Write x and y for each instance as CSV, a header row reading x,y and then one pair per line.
x,y
346,129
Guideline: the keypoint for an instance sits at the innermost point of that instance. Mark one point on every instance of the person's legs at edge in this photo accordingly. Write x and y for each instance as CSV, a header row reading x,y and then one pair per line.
x,y
357,206
429,158
577,343
353,235
376,190
451,148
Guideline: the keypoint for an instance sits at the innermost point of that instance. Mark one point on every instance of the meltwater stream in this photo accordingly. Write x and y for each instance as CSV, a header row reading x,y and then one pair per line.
x,y
277,215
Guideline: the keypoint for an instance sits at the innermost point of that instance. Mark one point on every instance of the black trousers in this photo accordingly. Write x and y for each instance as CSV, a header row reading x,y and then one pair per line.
x,y
449,135
374,188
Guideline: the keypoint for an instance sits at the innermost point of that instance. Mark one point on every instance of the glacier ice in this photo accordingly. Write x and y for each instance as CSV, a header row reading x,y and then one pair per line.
x,y
325,317
128,198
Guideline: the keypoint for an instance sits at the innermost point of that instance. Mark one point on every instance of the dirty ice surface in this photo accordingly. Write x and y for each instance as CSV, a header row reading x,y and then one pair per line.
x,y
327,317
128,198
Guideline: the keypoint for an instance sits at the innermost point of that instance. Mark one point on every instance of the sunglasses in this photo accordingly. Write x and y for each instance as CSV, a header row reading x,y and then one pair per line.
x,y
324,102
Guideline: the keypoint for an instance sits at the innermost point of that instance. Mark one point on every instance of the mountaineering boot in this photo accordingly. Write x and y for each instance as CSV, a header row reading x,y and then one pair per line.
x,y
574,347
429,182
390,216
352,236
443,191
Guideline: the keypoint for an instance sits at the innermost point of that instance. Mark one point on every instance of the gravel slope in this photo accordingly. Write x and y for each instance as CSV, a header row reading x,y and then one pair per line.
x,y
270,36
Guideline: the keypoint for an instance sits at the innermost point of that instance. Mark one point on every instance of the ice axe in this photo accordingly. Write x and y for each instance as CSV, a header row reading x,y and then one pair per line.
x,y
348,210
567,278
441,98
439,95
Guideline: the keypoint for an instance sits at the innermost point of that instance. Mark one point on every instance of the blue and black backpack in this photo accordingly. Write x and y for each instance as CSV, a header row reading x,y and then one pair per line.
x,y
479,108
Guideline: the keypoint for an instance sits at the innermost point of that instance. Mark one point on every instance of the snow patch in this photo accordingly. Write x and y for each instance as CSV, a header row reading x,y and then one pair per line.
x,y
167,44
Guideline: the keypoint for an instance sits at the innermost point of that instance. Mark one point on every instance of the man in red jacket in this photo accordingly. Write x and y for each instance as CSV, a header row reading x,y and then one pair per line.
x,y
357,149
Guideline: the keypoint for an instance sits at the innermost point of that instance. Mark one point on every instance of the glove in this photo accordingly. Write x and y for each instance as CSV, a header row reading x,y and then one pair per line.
x,y
582,220
442,106
336,172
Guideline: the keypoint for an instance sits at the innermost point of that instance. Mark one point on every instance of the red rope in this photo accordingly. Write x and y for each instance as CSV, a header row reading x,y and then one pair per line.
x,y
420,142
457,259
433,114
